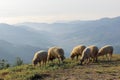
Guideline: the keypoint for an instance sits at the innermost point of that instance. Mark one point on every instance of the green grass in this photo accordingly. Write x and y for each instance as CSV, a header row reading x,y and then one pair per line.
x,y
69,68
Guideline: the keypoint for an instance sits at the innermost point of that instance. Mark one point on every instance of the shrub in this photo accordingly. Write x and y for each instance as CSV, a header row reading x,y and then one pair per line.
x,y
18,61
4,64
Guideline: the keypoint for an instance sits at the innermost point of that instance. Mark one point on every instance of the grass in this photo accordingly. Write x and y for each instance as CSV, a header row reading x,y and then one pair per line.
x,y
69,70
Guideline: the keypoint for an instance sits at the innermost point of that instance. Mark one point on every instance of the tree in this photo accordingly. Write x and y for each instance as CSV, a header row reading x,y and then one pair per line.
x,y
4,64
18,61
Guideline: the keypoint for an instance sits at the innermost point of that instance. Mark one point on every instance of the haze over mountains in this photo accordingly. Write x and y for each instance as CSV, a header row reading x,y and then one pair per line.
x,y
22,40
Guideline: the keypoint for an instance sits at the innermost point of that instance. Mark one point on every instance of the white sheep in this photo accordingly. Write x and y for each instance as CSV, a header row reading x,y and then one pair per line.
x,y
85,56
55,52
77,51
108,49
93,52
39,57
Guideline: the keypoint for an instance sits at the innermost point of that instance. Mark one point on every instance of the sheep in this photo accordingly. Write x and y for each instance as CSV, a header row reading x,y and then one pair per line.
x,y
39,57
55,52
108,49
85,56
93,52
77,51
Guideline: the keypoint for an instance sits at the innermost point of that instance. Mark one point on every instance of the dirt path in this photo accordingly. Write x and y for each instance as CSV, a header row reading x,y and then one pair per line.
x,y
90,72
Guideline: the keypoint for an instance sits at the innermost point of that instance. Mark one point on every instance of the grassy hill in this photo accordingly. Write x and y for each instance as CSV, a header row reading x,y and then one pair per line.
x,y
69,70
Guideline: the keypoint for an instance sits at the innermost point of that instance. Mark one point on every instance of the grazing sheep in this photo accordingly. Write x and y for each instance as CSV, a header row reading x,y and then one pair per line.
x,y
93,52
85,56
55,52
108,49
77,51
39,57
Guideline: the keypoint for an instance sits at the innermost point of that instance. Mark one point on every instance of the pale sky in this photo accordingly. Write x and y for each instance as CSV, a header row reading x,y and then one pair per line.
x,y
17,11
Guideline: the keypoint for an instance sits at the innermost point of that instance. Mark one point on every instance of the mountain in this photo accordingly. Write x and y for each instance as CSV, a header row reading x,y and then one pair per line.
x,y
94,32
24,39
18,42
9,51
19,35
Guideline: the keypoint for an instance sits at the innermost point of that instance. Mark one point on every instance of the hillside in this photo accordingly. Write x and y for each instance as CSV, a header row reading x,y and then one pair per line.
x,y
17,42
9,51
69,70
27,38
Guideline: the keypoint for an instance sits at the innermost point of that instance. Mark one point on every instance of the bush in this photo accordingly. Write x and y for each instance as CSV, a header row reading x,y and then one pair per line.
x,y
18,61
4,64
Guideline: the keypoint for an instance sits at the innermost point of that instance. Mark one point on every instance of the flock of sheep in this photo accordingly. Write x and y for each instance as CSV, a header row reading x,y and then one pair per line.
x,y
87,54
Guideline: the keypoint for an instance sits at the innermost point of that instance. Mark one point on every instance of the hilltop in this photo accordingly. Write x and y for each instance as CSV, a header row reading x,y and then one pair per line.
x,y
69,70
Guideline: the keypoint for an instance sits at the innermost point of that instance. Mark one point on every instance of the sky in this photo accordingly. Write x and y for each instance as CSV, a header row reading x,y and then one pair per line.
x,y
18,11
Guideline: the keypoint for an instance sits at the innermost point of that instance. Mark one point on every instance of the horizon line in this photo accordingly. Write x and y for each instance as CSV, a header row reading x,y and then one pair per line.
x,y
57,21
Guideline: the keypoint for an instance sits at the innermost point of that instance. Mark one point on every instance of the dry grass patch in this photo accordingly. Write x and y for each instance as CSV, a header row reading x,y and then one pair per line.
x,y
69,70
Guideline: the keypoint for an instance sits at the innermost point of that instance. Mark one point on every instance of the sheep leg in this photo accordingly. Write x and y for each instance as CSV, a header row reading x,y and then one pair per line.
x,y
40,63
93,59
59,60
48,59
81,62
96,59
77,57
110,56
107,57
44,62
103,57
88,61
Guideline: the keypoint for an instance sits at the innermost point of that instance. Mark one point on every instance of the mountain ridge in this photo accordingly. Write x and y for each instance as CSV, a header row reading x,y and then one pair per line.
x,y
37,36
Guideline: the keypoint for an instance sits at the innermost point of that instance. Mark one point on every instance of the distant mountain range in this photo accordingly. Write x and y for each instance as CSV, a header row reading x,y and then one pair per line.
x,y
23,39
